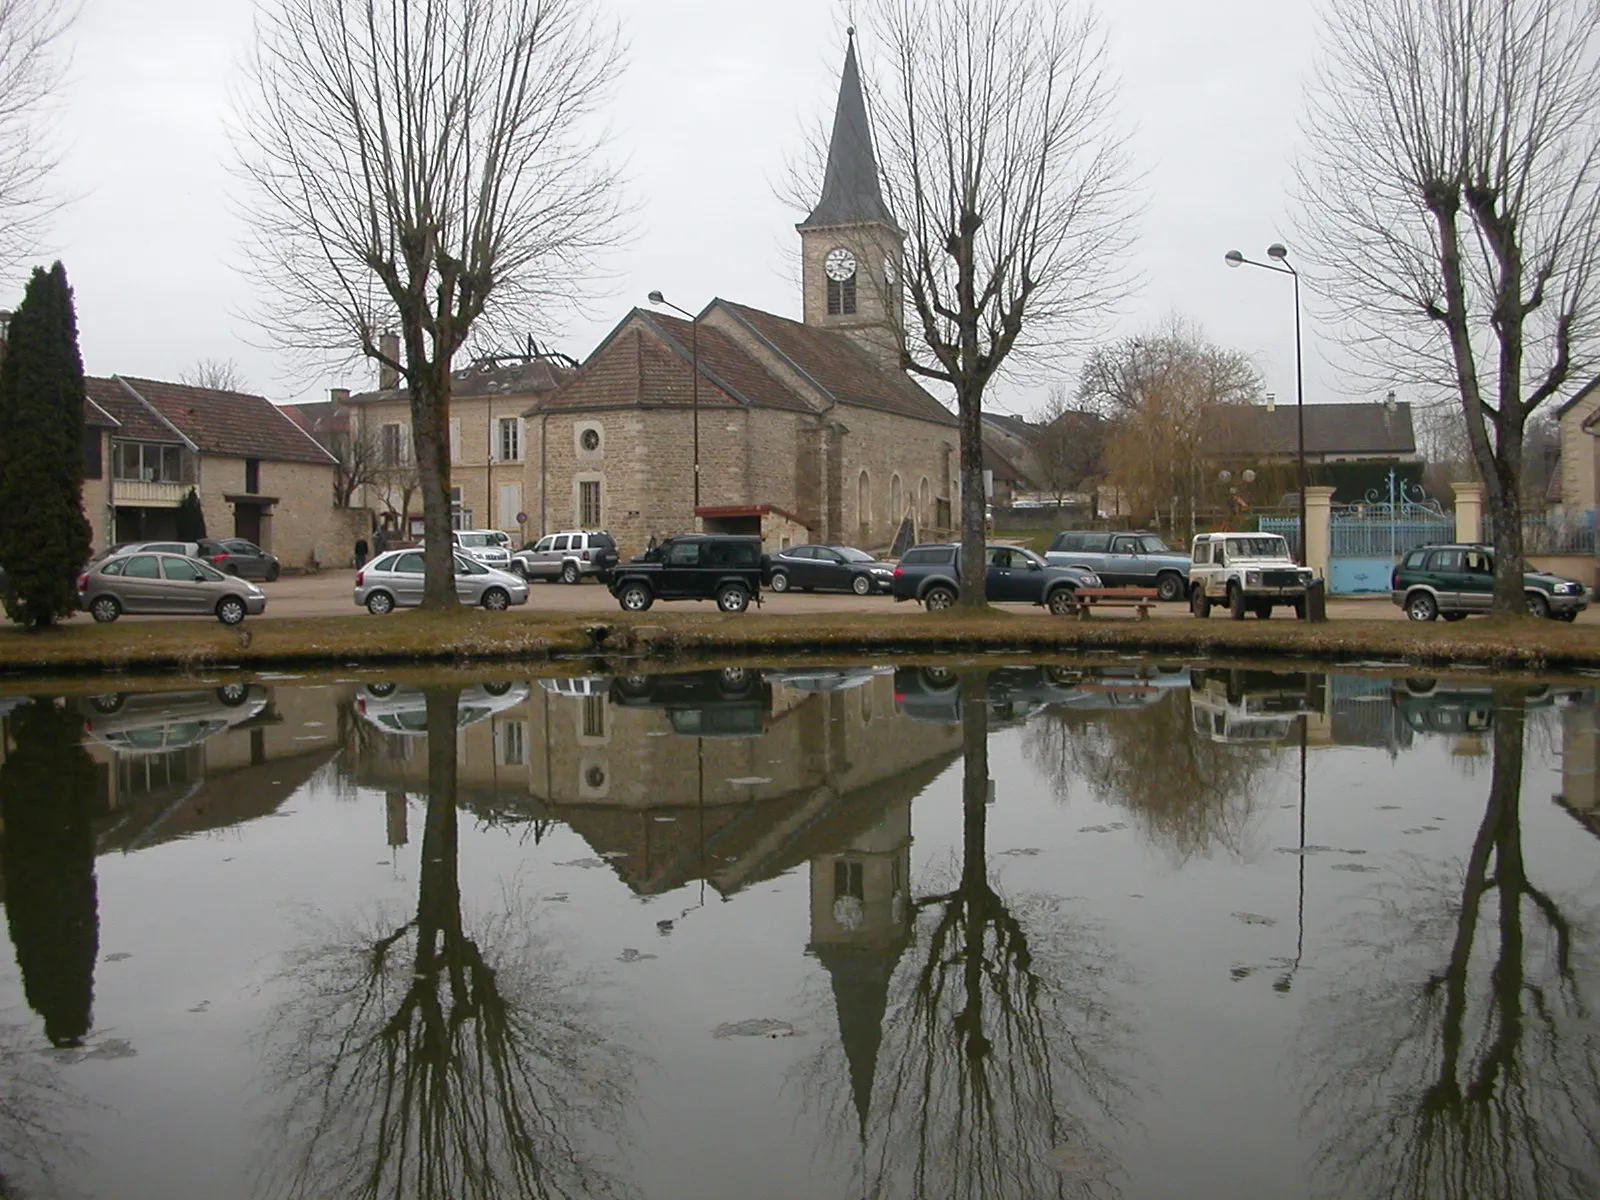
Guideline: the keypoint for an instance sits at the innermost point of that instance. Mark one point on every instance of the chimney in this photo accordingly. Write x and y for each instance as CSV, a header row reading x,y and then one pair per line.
x,y
389,347
1272,401
339,396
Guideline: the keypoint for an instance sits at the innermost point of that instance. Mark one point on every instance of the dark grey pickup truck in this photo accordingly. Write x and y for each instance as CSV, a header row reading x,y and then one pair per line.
x,y
1124,560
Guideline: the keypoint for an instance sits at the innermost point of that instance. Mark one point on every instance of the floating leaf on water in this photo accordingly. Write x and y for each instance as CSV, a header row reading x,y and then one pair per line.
x,y
1021,852
588,864
1353,867
767,1027
1250,918
119,956
750,780
1078,1163
629,955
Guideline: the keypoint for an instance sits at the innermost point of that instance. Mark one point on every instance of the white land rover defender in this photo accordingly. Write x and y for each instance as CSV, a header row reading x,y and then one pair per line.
x,y
1249,572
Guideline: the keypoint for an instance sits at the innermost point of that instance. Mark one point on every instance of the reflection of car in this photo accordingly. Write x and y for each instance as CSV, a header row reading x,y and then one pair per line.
x,y
732,702
1454,581
394,580
1013,693
154,722
828,569
1116,687
567,556
582,685
1456,706
1124,560
932,574
404,710
1248,706
695,566
165,583
825,679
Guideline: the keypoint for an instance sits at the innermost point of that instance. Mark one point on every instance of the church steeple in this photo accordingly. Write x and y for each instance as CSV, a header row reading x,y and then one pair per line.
x,y
851,193
851,248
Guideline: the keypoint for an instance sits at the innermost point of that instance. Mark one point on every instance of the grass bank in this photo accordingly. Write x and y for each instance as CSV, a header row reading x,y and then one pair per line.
x,y
474,636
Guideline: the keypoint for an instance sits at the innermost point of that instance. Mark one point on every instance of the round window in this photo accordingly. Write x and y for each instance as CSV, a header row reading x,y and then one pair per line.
x,y
589,439
595,777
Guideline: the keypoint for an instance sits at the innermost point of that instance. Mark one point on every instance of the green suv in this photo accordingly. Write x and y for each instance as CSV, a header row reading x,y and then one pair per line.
x,y
1454,581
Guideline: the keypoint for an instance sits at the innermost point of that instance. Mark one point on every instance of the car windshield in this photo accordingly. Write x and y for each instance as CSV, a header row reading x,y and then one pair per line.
x,y
1258,547
851,554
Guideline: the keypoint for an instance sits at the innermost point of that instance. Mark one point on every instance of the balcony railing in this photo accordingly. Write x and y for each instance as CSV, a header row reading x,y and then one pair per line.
x,y
149,495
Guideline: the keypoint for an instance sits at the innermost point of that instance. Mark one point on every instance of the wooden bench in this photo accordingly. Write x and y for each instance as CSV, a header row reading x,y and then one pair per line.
x,y
1143,599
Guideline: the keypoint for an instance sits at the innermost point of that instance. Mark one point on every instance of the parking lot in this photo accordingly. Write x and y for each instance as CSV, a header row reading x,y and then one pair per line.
x,y
330,595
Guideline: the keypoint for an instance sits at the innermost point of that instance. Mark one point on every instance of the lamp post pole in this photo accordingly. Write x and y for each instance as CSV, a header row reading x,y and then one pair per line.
x,y
1280,256
694,385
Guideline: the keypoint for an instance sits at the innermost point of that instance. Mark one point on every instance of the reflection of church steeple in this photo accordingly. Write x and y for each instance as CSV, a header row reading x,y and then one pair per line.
x,y
860,924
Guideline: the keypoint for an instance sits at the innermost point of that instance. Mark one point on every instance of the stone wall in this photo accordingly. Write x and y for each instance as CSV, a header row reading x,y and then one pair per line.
x,y
884,445
1578,456
303,528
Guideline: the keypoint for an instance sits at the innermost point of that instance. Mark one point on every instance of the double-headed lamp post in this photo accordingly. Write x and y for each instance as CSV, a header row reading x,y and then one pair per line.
x,y
1279,254
658,299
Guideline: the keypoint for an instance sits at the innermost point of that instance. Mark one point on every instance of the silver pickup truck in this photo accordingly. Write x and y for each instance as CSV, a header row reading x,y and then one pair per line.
x,y
1124,560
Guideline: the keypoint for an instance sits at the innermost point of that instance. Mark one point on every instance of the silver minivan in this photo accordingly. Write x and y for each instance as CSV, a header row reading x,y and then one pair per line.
x,y
165,583
394,580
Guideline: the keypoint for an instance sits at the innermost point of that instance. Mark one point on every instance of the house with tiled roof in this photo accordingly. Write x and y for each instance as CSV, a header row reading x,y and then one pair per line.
x,y
733,420
258,474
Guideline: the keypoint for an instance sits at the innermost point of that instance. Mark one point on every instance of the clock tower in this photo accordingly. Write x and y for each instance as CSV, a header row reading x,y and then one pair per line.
x,y
851,248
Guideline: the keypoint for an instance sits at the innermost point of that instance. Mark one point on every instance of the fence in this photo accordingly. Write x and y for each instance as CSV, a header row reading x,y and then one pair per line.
x,y
1553,533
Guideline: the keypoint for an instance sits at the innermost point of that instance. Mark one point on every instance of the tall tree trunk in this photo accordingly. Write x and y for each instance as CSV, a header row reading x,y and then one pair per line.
x,y
430,424
974,502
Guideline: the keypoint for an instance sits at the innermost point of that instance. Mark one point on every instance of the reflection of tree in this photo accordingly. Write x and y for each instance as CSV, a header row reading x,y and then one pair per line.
x,y
426,1063
1187,792
47,788
993,1052
1467,1066
33,1099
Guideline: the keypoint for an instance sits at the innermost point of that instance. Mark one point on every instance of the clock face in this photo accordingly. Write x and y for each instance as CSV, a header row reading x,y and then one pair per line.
x,y
840,264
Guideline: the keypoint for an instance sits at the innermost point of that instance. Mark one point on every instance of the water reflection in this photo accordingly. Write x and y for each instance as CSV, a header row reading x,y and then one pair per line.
x,y
419,1060
1462,1063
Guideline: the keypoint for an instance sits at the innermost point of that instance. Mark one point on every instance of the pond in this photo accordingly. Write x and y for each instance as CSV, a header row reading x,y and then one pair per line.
x,y
1118,930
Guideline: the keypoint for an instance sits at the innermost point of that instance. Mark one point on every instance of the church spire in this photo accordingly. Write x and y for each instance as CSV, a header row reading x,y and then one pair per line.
x,y
850,191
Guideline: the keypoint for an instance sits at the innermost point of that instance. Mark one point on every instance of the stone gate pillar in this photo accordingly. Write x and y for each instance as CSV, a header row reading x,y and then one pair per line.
x,y
1319,521
1469,511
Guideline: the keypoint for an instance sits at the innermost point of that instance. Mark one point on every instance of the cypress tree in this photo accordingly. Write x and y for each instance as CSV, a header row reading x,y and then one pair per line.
x,y
44,536
191,518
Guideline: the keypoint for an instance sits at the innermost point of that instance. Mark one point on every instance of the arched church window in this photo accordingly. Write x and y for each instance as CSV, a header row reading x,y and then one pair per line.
x,y
864,509
897,501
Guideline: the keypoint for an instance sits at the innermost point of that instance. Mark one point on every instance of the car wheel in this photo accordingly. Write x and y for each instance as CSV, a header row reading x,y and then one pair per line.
x,y
735,679
861,585
1236,608
937,599
230,610
732,598
1062,602
1169,587
233,694
635,597
1199,602
496,599
569,573
522,571
1421,685
635,685
105,609
381,690
497,689
938,678
272,573
1461,616
1420,606
108,702
379,603
1538,606
780,581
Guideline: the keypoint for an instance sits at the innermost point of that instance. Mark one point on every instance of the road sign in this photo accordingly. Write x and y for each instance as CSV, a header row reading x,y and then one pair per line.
x,y
522,518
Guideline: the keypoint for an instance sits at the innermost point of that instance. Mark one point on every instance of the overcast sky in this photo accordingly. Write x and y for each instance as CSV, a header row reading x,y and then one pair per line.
x,y
716,99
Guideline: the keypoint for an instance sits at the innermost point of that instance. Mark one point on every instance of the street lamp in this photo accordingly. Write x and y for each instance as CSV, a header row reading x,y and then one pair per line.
x,y
1279,253
657,298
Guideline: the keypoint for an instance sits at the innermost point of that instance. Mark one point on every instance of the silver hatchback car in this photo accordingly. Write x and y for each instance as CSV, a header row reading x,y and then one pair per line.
x,y
165,583
394,580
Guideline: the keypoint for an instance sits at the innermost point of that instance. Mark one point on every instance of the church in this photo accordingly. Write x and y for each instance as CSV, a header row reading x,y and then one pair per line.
x,y
736,421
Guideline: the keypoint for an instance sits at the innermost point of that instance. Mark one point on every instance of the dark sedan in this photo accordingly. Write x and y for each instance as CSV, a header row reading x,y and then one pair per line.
x,y
828,569
235,556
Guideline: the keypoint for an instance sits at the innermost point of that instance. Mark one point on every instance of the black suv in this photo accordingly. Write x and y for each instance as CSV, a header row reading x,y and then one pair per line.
x,y
932,574
726,568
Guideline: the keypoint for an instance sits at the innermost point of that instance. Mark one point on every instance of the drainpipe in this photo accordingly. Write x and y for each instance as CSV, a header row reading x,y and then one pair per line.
x,y
544,443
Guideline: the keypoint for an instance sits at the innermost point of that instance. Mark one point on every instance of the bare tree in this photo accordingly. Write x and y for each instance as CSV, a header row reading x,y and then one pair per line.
x,y
1000,157
360,461
1453,193
425,166
1070,445
218,374
1166,396
31,69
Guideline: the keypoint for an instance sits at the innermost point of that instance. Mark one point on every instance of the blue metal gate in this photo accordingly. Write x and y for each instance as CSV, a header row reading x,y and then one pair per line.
x,y
1367,539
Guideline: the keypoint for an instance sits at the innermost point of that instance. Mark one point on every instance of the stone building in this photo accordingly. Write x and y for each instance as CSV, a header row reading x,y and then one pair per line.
x,y
737,420
258,475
